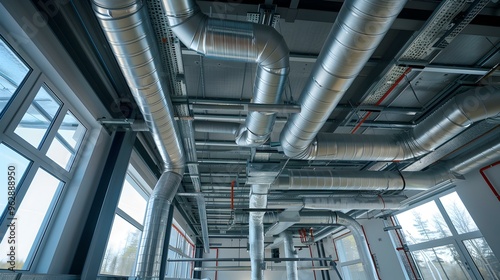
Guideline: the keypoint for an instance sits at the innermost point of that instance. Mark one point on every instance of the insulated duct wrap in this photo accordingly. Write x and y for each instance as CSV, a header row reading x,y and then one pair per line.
x,y
237,41
291,267
357,31
258,200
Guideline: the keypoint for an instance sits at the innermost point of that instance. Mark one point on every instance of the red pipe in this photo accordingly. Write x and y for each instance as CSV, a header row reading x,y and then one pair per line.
x,y
396,83
488,182
405,253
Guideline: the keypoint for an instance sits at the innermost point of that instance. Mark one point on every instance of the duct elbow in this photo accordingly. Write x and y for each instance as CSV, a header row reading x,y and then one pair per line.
x,y
274,52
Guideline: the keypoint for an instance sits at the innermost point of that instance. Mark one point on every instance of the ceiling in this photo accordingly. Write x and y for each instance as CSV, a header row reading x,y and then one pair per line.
x,y
395,90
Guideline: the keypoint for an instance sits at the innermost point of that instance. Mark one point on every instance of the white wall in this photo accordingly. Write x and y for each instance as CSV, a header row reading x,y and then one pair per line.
x,y
383,250
482,204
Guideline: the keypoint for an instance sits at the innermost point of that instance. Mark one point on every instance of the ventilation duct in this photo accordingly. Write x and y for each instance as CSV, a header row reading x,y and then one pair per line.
x,y
331,218
128,30
445,123
237,41
389,180
361,180
258,200
216,127
344,203
357,31
291,267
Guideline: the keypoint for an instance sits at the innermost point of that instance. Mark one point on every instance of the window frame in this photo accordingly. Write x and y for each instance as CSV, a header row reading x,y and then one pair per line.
x,y
456,239
12,114
139,183
343,264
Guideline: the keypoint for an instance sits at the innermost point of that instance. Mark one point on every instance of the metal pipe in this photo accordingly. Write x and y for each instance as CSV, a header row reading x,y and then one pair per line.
x,y
247,259
358,29
129,33
155,225
216,127
237,41
258,199
336,203
361,180
245,107
200,201
445,123
291,267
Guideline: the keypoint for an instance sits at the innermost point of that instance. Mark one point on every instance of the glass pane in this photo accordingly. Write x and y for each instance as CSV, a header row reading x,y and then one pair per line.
x,y
60,154
423,223
459,215
9,160
131,201
353,272
32,216
37,120
440,263
483,257
347,249
71,130
121,250
12,73
62,150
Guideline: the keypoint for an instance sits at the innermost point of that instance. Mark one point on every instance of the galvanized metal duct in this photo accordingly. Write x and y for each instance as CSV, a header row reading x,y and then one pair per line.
x,y
291,267
358,29
390,180
445,123
361,180
334,218
128,31
237,41
258,200
335,203
217,127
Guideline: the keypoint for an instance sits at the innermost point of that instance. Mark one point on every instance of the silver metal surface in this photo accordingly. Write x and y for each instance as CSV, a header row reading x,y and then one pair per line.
x,y
239,41
128,31
445,123
200,201
358,202
216,127
155,225
358,29
361,180
258,199
291,267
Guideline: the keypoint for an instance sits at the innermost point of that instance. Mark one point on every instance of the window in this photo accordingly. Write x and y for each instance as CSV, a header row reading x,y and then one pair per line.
x,y
13,72
350,263
123,243
445,242
180,246
40,137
